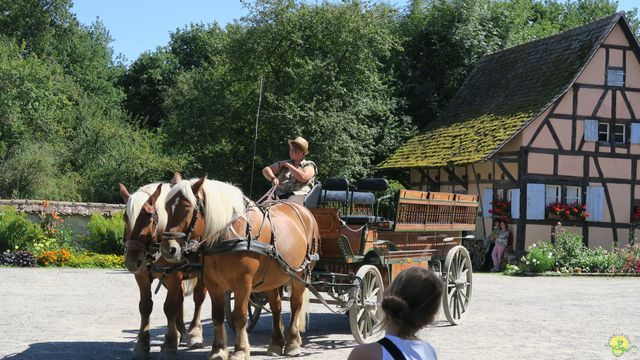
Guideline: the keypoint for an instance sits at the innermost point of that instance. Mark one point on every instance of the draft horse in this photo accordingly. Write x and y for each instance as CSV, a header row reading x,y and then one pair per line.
x,y
245,248
144,221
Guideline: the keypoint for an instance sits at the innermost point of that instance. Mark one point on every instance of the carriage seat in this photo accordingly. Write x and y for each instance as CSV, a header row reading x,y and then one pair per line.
x,y
363,201
312,198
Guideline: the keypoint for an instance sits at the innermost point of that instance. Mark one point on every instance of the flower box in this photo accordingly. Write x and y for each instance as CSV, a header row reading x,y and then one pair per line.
x,y
575,211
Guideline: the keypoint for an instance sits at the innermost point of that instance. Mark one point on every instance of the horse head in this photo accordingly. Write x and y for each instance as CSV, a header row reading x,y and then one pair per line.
x,y
185,218
141,225
198,211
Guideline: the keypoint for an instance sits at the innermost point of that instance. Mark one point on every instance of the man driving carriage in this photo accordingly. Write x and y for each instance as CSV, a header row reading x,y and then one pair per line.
x,y
293,178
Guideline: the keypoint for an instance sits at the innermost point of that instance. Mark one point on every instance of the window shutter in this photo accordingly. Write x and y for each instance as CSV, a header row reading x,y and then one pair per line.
x,y
635,133
591,130
595,203
487,202
515,203
535,201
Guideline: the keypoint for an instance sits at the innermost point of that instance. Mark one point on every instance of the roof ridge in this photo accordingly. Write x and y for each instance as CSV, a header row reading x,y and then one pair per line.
x,y
610,18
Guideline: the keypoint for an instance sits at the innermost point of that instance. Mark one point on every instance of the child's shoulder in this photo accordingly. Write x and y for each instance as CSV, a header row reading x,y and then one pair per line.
x,y
366,352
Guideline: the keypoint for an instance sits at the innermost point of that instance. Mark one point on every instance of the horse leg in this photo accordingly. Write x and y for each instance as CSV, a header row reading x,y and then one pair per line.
x,y
143,343
219,349
298,315
242,349
195,328
171,310
277,333
182,329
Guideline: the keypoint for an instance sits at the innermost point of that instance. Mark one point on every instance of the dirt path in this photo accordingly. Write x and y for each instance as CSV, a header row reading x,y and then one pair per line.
x,y
92,314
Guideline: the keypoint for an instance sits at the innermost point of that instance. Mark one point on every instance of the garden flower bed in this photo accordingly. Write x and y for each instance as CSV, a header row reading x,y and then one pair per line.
x,y
51,243
568,256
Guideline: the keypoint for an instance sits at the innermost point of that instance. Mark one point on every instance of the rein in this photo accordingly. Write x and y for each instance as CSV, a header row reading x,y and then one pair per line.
x,y
152,250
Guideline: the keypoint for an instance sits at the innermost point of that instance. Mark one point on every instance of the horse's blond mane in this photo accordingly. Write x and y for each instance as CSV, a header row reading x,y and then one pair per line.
x,y
137,200
223,202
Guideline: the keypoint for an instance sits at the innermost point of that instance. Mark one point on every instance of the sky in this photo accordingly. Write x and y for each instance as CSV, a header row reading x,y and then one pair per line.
x,y
142,25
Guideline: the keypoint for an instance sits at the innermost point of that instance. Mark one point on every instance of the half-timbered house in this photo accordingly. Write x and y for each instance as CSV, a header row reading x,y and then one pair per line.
x,y
543,125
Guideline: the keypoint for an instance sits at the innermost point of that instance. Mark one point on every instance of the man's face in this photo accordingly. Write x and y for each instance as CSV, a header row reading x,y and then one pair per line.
x,y
295,153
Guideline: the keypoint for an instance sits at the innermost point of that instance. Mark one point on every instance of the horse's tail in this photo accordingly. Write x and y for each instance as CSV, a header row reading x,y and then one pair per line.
x,y
188,285
304,312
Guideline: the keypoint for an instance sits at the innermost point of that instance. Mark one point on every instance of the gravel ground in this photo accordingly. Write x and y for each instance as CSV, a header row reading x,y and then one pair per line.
x,y
93,314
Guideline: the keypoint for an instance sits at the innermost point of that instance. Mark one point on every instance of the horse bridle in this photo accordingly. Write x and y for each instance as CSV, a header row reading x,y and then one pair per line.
x,y
151,250
190,245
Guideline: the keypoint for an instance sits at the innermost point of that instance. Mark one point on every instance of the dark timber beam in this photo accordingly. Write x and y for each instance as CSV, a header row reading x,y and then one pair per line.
x,y
506,172
456,178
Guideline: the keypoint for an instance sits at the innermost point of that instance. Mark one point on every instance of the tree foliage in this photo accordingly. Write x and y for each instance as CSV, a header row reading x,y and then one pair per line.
x,y
356,78
63,132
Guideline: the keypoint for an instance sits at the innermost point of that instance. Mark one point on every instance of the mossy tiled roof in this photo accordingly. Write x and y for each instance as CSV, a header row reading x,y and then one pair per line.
x,y
504,92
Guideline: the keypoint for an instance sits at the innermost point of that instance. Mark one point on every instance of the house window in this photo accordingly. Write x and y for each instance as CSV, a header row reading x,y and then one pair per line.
x,y
552,194
619,134
572,195
562,194
500,194
603,132
615,77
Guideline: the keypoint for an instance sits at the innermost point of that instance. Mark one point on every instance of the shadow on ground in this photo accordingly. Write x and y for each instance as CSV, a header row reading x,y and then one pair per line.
x,y
316,340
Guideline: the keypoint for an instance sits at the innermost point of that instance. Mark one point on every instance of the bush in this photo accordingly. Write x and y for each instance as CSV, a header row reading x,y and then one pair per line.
x,y
16,231
540,257
106,235
53,227
54,258
629,259
596,260
93,260
568,249
18,258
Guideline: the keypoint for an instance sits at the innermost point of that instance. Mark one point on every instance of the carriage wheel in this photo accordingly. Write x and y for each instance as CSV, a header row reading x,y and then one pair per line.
x,y
366,314
458,278
257,302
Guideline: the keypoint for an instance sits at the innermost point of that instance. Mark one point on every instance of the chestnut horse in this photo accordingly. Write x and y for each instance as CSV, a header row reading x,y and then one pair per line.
x,y
143,224
245,248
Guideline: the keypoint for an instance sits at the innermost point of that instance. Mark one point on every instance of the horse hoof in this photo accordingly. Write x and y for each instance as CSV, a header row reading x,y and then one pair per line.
x,y
140,354
195,340
240,355
293,351
219,355
169,352
274,350
196,344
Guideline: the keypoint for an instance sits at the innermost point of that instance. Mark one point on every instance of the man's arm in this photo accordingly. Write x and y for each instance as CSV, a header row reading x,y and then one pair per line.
x,y
302,175
270,173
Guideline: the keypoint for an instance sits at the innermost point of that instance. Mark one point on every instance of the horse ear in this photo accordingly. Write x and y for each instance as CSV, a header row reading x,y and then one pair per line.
x,y
198,184
124,192
154,197
176,178
148,208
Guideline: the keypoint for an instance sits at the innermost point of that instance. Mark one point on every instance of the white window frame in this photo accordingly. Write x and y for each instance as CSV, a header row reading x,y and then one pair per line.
x,y
573,199
500,194
602,132
624,133
616,77
510,195
549,198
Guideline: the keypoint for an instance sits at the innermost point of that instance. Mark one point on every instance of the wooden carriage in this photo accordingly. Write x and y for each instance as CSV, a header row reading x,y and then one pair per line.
x,y
368,236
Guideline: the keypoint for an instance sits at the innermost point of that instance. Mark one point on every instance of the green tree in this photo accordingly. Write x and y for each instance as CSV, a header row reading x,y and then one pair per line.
x,y
326,77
